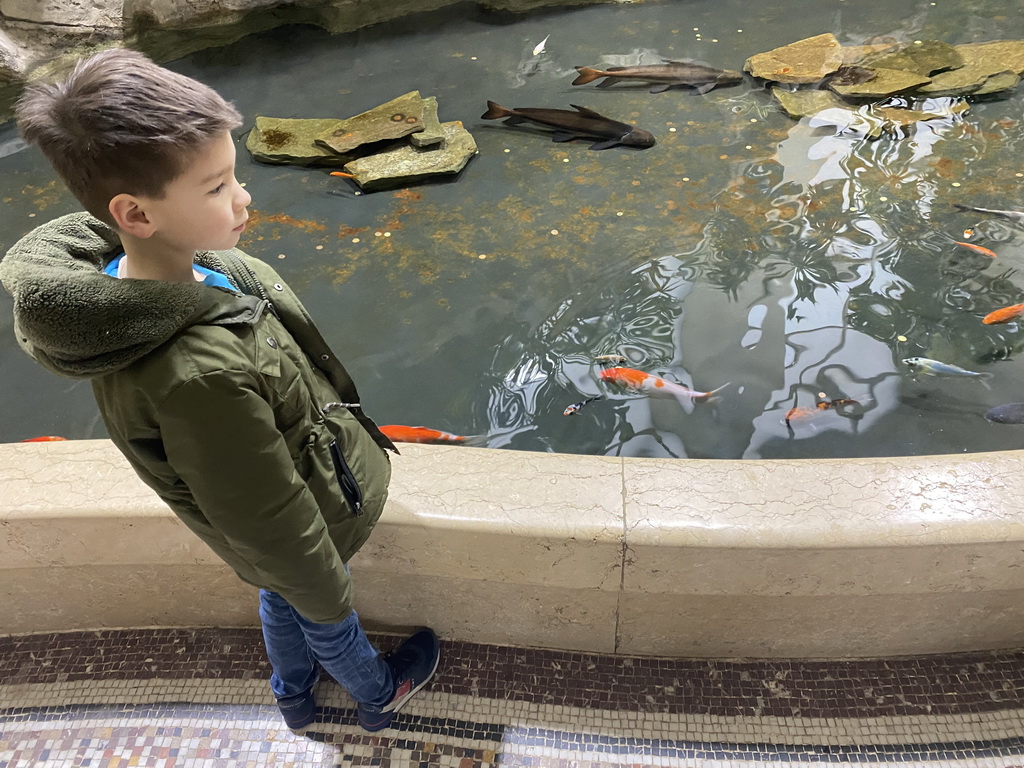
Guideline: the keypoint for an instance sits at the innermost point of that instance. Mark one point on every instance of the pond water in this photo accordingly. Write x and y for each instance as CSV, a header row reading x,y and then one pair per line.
x,y
745,248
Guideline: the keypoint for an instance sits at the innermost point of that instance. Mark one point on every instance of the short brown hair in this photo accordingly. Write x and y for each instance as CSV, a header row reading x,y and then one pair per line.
x,y
119,123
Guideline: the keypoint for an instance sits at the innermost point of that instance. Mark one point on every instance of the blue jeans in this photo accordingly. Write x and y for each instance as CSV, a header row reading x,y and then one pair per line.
x,y
295,644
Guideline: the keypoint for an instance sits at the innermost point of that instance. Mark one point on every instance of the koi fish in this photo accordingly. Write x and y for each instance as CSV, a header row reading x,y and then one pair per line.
x,y
969,233
569,125
1004,315
839,402
403,434
575,408
698,76
343,175
44,439
800,414
977,248
935,368
539,48
642,383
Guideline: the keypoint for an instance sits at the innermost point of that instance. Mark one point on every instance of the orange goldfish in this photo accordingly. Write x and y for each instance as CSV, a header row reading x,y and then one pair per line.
x,y
44,439
799,414
1004,315
977,248
343,175
402,434
654,386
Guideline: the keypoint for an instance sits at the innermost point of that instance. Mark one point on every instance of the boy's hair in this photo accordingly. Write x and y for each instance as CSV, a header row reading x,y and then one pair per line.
x,y
120,123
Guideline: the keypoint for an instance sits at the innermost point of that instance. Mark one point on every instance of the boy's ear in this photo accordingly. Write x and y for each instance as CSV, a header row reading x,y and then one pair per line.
x,y
131,218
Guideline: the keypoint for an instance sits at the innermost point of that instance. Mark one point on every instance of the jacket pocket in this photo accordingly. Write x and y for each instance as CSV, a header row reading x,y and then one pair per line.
x,y
349,487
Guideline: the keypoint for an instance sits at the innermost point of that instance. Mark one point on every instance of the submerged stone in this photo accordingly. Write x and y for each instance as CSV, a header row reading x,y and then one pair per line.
x,y
432,132
805,103
391,120
923,58
853,54
289,140
406,163
970,79
805,61
886,82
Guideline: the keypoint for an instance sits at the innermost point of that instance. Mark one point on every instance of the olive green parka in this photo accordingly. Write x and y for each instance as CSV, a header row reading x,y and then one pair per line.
x,y
224,403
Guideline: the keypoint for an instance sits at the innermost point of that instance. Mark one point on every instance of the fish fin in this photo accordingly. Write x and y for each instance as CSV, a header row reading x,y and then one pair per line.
x,y
702,89
984,379
475,441
587,112
494,111
604,144
661,87
710,397
515,120
615,69
606,82
561,136
587,75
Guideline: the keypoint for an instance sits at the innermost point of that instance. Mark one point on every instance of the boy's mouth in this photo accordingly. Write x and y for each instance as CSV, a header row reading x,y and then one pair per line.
x,y
240,227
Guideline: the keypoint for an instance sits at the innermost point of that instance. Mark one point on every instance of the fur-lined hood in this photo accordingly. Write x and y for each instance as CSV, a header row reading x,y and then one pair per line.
x,y
79,322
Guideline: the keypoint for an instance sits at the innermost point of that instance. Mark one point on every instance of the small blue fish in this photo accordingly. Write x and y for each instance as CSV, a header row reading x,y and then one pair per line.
x,y
934,368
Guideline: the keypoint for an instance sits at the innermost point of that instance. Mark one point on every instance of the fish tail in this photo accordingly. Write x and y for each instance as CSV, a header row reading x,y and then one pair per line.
x,y
709,397
495,110
588,75
474,441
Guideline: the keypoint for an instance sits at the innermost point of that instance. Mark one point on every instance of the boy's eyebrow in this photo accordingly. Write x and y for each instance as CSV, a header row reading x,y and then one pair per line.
x,y
216,175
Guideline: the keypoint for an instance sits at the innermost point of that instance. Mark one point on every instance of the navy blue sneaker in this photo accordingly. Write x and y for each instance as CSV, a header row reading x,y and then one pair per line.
x,y
412,663
298,711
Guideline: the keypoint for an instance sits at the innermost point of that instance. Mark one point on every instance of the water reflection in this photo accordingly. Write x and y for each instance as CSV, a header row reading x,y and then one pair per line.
x,y
837,254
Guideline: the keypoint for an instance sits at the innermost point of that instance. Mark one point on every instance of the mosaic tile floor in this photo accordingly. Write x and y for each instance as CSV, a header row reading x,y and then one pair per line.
x,y
199,699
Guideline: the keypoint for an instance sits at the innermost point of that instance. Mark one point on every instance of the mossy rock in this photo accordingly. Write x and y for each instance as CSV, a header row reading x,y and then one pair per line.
x,y
406,164
805,61
391,120
289,140
805,103
922,58
886,82
432,132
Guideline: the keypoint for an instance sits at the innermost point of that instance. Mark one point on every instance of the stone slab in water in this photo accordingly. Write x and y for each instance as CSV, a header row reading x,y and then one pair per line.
x,y
405,164
969,79
805,103
886,82
805,61
391,120
289,140
922,57
432,132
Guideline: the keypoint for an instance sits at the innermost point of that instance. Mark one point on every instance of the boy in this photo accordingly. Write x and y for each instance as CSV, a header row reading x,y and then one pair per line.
x,y
210,375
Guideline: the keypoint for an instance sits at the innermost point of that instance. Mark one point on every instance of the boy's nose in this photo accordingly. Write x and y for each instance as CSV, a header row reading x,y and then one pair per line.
x,y
243,198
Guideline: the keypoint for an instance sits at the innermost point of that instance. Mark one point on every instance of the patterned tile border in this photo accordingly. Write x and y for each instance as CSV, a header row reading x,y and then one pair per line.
x,y
963,683
199,699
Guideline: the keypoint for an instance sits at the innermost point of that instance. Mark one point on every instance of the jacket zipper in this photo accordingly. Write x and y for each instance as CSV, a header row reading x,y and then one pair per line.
x,y
349,487
252,284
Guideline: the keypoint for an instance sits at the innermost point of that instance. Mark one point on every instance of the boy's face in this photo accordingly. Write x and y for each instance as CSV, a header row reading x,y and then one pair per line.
x,y
204,208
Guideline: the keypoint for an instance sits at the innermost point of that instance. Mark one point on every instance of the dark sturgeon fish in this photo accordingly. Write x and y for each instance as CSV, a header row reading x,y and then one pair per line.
x,y
1011,413
570,125
1017,216
698,76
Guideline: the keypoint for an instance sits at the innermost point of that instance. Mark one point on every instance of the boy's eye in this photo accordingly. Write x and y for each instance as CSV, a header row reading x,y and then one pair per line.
x,y
217,189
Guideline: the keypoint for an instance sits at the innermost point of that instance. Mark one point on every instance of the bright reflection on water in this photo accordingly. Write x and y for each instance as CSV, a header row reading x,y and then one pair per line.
x,y
778,256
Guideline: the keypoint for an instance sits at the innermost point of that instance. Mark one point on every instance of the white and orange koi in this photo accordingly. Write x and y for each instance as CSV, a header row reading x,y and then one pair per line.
x,y
642,383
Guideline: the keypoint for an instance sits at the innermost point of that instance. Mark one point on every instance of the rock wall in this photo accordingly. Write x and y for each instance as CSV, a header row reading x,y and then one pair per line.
x,y
39,36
